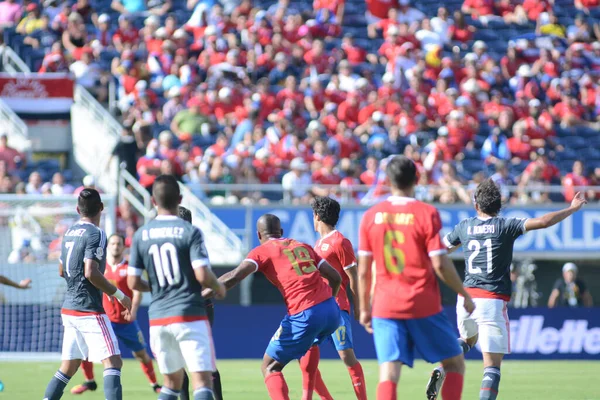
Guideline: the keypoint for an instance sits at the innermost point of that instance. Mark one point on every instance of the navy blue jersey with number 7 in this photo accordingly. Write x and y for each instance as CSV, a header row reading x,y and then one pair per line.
x,y
169,249
488,250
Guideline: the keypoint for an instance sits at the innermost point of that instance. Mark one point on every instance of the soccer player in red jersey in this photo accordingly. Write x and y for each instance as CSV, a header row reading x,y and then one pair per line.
x,y
338,252
125,325
313,315
401,235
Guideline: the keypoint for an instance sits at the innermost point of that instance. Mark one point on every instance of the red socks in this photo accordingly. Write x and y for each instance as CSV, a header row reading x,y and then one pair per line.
x,y
309,365
149,372
320,387
387,391
453,386
88,370
276,386
358,381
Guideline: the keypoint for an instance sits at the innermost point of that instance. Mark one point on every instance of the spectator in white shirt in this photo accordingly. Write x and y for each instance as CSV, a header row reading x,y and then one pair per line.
x,y
407,14
429,39
441,24
296,183
89,75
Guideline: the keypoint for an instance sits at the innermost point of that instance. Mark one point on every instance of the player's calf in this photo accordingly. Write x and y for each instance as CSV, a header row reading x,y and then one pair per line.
x,y
490,383
60,380
454,380
112,378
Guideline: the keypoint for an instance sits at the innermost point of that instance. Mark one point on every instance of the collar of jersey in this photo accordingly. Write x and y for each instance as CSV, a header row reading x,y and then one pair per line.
x,y
329,234
166,217
399,198
483,219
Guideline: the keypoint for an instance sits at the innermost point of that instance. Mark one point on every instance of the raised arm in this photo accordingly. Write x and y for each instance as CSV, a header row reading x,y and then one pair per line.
x,y
24,284
553,218
332,276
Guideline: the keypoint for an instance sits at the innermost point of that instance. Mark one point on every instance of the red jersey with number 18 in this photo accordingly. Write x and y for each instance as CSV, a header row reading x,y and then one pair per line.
x,y
402,234
293,267
338,252
117,275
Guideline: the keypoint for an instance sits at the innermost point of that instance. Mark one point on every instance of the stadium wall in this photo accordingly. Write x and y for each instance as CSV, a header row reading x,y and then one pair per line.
x,y
244,332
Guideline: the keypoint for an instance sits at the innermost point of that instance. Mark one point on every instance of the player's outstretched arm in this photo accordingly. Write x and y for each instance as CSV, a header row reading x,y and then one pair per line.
x,y
553,218
332,276
96,278
445,270
365,281
24,284
209,280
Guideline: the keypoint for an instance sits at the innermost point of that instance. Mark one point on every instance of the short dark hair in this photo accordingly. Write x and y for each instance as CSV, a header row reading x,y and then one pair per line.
x,y
117,235
488,197
327,209
402,172
165,191
89,203
185,214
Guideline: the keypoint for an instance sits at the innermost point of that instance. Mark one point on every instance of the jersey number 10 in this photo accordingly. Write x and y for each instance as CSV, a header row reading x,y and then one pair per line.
x,y
475,247
301,260
166,264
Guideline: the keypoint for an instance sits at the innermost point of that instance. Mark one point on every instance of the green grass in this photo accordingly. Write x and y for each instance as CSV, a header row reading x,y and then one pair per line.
x,y
555,380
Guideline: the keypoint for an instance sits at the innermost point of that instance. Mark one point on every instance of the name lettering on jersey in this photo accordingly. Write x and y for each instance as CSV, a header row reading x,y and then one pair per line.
x,y
481,229
169,232
394,218
75,232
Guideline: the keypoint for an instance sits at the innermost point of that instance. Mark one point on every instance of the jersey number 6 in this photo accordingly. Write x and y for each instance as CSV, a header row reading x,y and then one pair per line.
x,y
394,257
301,260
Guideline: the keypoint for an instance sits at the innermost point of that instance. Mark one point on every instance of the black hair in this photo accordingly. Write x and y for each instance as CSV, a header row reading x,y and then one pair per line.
x,y
327,209
488,198
402,172
185,214
165,191
117,235
89,203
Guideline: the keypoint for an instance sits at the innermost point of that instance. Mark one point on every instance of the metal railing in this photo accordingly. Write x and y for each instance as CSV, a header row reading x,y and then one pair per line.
x,y
85,99
348,194
12,63
131,190
15,127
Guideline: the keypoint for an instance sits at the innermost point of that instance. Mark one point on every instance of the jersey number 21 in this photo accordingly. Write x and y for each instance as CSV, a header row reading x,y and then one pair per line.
x,y
475,247
166,264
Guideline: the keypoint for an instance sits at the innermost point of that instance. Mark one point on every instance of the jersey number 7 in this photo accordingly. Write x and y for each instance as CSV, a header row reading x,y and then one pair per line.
x,y
301,260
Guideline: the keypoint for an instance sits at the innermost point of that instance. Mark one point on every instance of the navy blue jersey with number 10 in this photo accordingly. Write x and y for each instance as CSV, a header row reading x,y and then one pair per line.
x,y
488,250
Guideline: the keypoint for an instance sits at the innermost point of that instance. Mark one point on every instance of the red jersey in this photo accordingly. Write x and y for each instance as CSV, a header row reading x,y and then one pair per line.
x,y
338,252
402,234
293,267
117,275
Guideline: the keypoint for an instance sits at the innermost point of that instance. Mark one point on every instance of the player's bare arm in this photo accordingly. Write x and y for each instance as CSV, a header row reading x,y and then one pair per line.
x,y
136,300
332,276
353,276
61,270
96,278
24,284
553,218
445,270
136,282
208,279
365,280
233,277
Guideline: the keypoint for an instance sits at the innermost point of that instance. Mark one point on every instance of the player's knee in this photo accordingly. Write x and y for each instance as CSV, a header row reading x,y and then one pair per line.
x,y
69,367
142,356
454,364
348,357
270,366
113,362
390,371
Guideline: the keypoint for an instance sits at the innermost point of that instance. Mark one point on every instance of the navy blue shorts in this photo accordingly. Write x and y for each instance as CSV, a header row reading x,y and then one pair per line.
x,y
299,332
397,339
131,335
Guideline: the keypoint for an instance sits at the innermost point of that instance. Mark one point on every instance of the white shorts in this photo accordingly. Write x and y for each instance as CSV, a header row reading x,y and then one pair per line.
x,y
88,337
489,320
183,344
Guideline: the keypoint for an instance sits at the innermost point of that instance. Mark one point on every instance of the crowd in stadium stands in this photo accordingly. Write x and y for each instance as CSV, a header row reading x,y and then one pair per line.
x,y
236,92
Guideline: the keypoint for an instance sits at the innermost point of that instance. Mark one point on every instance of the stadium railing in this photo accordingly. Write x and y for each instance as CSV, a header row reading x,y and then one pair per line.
x,y
31,227
12,63
14,126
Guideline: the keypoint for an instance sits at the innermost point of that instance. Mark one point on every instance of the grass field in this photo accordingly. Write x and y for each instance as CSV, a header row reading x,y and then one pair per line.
x,y
558,380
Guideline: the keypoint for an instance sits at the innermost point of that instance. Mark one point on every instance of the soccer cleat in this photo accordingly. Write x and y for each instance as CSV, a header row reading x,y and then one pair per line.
x,y
84,387
435,383
156,388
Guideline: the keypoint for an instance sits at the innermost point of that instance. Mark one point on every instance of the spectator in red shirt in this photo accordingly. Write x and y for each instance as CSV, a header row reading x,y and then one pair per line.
x,y
353,53
478,8
369,176
378,9
519,145
573,180
316,57
549,171
384,24
9,155
290,92
336,7
569,112
348,110
533,8
460,31
586,5
126,36
149,166
326,174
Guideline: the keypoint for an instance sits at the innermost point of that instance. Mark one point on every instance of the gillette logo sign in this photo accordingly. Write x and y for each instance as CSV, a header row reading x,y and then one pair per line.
x,y
528,336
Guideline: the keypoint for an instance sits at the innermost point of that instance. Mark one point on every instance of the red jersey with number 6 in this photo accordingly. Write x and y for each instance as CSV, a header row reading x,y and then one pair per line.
x,y
338,252
117,275
293,267
402,234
